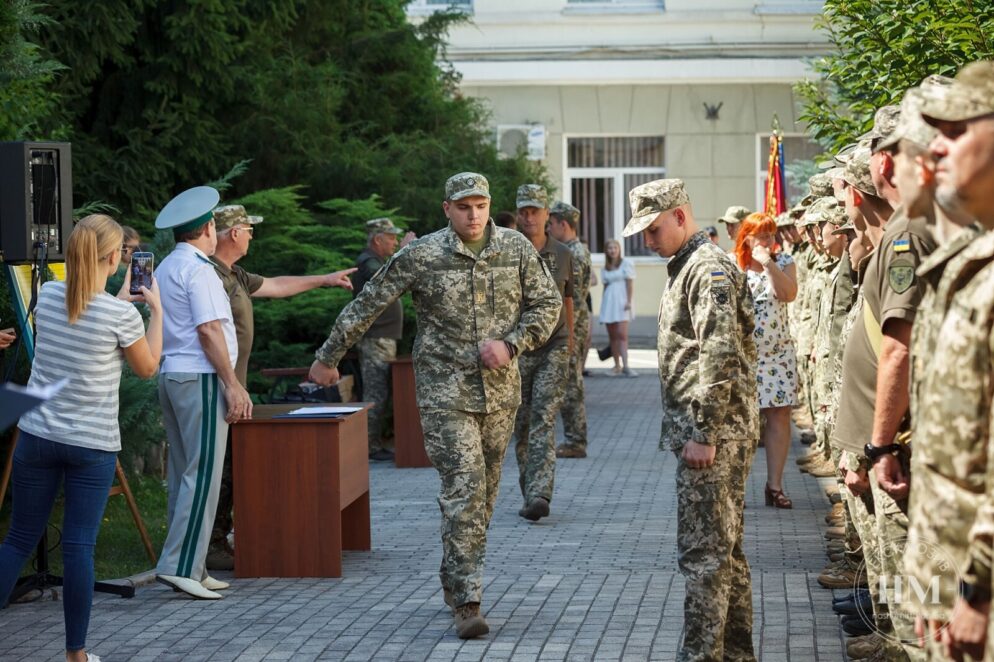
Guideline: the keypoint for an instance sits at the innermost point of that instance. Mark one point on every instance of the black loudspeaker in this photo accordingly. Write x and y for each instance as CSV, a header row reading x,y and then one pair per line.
x,y
35,200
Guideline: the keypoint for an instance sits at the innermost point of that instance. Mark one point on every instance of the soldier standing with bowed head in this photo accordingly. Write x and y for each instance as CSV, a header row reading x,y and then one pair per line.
x,y
707,373
483,296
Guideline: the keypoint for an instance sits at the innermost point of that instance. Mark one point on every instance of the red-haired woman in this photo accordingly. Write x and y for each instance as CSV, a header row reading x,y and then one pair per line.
x,y
773,280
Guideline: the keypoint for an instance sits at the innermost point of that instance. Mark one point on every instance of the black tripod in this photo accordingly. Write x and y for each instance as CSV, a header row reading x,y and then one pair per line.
x,y
42,577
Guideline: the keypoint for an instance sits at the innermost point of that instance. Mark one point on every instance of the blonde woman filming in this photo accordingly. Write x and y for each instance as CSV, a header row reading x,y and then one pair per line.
x,y
71,442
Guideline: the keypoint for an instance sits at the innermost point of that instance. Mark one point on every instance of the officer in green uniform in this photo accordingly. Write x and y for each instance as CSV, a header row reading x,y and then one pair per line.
x,y
483,297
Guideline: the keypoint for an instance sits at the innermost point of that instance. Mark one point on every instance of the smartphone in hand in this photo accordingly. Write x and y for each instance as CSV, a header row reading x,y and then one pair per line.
x,y
141,271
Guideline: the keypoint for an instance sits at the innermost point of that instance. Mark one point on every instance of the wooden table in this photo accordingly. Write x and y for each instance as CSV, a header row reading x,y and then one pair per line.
x,y
409,442
301,492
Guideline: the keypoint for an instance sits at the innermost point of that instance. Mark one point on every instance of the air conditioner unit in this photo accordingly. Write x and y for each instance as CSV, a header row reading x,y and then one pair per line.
x,y
515,138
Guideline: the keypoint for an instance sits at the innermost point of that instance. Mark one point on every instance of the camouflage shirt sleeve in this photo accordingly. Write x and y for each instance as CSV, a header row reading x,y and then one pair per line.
x,y
385,287
540,304
981,540
713,297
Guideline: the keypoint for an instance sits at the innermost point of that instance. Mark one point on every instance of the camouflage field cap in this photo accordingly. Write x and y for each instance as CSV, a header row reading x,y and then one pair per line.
x,y
566,211
784,219
651,199
532,195
466,184
230,216
970,96
827,210
912,126
844,228
857,171
843,156
884,121
734,214
820,185
797,211
834,173
382,226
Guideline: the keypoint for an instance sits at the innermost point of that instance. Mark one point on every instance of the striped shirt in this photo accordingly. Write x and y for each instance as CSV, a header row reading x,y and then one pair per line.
x,y
89,353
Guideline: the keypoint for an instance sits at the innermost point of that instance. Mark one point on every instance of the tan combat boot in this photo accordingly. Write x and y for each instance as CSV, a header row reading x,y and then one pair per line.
x,y
469,622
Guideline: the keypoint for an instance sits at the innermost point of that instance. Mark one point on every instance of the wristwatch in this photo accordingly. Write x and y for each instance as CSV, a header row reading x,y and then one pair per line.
x,y
974,594
873,453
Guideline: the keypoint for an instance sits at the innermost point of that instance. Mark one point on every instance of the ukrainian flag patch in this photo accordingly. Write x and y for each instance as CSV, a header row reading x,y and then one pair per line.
x,y
717,276
901,245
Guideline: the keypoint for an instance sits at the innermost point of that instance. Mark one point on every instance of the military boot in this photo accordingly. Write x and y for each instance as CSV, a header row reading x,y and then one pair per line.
x,y
568,450
469,622
449,600
536,509
860,648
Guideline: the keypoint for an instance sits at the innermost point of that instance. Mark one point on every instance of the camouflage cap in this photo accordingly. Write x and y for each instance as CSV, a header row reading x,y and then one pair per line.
x,y
826,210
797,211
844,228
884,121
784,219
532,195
843,155
566,211
381,226
466,184
734,214
970,96
230,216
912,126
820,185
857,171
650,200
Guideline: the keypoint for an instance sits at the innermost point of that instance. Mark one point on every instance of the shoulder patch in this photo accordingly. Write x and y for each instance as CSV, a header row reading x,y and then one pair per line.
x,y
901,245
719,287
901,276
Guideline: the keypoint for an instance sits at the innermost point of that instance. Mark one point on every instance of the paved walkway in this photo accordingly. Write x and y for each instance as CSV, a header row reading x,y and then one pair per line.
x,y
597,580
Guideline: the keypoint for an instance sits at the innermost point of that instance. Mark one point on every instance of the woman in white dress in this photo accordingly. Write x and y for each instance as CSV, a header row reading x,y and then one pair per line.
x,y
618,276
772,279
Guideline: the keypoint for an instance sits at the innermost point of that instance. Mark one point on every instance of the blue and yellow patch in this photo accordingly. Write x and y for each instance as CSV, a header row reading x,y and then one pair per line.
x,y
901,245
717,276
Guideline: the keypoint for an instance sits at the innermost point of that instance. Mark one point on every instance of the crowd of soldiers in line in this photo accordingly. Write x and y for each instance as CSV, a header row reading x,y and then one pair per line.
x,y
894,330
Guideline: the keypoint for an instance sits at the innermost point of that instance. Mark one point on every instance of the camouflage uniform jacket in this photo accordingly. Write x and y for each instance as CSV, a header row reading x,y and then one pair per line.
x,y
559,260
707,354
819,274
952,393
802,256
581,276
835,305
461,300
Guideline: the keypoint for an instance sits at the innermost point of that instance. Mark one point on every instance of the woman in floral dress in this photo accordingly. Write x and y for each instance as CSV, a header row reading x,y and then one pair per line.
x,y
772,279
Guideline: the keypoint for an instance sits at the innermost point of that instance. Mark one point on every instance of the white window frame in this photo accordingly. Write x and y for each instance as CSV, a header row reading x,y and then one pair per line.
x,y
615,7
763,148
618,175
426,8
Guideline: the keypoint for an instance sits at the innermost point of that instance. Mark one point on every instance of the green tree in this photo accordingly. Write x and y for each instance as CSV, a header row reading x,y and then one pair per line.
x,y
25,73
883,47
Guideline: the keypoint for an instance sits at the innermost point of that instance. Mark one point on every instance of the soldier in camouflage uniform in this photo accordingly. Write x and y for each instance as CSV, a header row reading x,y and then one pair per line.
x,y
707,369
951,502
483,296
545,370
732,220
564,222
378,346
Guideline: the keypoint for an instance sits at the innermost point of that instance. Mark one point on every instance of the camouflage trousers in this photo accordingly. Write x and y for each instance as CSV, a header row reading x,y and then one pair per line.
x,y
543,386
467,449
375,355
862,512
574,410
717,609
892,535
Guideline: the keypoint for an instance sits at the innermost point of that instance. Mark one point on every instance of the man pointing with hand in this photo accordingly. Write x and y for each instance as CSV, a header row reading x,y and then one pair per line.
x,y
483,296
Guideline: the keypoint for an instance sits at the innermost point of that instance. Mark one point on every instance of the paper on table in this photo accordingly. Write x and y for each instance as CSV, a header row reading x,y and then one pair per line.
x,y
324,411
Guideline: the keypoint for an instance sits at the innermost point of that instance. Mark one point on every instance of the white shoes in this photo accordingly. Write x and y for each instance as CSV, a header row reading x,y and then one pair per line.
x,y
90,657
212,584
189,586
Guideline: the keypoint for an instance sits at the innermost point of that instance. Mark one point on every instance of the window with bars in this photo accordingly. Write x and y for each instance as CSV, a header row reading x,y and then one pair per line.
x,y
599,173
614,5
429,6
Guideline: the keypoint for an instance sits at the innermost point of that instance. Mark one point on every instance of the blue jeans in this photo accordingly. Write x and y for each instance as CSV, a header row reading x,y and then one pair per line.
x,y
40,468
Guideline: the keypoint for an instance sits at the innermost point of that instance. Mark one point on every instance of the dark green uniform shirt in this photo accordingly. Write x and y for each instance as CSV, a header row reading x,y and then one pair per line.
x,y
240,285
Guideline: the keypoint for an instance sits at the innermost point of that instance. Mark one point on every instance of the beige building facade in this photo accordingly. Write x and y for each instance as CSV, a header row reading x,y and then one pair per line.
x,y
609,94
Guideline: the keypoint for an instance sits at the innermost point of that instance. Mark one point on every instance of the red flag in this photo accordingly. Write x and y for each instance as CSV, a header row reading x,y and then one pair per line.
x,y
776,189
